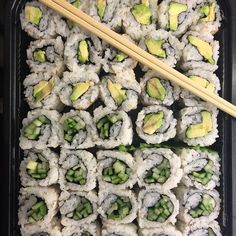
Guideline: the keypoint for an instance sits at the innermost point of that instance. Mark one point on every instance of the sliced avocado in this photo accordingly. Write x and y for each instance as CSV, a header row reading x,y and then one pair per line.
x,y
33,14
120,56
40,56
117,92
155,47
155,89
203,82
204,48
76,3
142,13
145,2
153,122
175,9
208,10
79,89
101,6
202,129
211,232
32,165
83,52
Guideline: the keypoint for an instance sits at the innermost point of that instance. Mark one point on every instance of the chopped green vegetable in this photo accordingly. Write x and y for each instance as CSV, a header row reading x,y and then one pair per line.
x,y
37,169
77,175
37,211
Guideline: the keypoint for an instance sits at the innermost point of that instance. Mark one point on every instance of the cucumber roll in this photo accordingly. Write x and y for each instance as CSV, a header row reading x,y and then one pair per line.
x,y
116,170
167,230
120,91
78,208
157,208
198,125
117,206
40,129
158,91
156,124
78,170
201,51
40,91
46,55
197,206
37,20
201,168
158,168
39,168
119,230
79,89
113,128
163,45
78,130
37,206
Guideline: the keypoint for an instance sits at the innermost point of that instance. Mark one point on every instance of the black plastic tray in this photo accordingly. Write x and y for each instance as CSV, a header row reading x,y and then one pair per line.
x,y
15,109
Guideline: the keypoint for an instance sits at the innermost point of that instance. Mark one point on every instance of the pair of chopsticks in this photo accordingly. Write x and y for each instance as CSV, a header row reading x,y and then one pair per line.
x,y
129,48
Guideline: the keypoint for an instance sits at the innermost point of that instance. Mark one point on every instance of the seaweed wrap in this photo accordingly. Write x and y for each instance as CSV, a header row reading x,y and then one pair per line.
x,y
119,230
46,55
117,206
78,208
156,124
157,208
39,168
40,129
113,128
198,125
78,170
158,168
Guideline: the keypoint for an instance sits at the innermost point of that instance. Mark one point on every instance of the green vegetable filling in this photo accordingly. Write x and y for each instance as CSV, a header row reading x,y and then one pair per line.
x,y
70,23
33,14
120,57
211,232
40,55
37,170
37,211
83,52
86,233
155,89
101,7
208,12
77,175
142,13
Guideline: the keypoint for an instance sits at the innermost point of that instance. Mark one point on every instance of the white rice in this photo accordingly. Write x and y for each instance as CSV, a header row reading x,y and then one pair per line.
x,y
115,230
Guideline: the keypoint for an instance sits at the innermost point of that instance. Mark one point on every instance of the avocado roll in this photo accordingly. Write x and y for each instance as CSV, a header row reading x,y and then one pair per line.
x,y
113,128
37,206
116,170
79,89
157,91
156,124
46,55
167,230
40,129
163,45
157,208
158,168
117,207
37,20
78,130
198,125
120,91
78,208
201,51
119,230
78,170
39,168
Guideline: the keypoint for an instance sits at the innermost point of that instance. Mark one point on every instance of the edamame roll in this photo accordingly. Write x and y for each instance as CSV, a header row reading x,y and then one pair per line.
x,y
156,124
78,170
119,230
117,206
158,168
39,168
78,208
40,129
157,208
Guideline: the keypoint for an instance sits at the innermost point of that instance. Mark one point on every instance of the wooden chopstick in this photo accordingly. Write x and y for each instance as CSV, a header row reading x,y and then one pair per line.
x,y
123,44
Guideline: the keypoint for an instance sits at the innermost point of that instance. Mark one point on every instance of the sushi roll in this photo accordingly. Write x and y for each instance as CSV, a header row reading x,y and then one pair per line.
x,y
157,91
198,125
158,168
197,206
79,89
117,206
78,170
46,55
201,168
120,91
40,91
116,170
36,20
163,45
40,129
113,128
157,208
201,51
37,206
78,130
39,168
78,208
156,124
83,50
121,230
140,17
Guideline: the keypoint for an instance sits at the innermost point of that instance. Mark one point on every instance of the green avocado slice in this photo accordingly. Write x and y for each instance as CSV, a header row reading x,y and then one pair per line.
x,y
120,57
80,89
203,82
208,11
155,89
155,47
83,52
101,7
153,122
142,13
40,56
33,14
